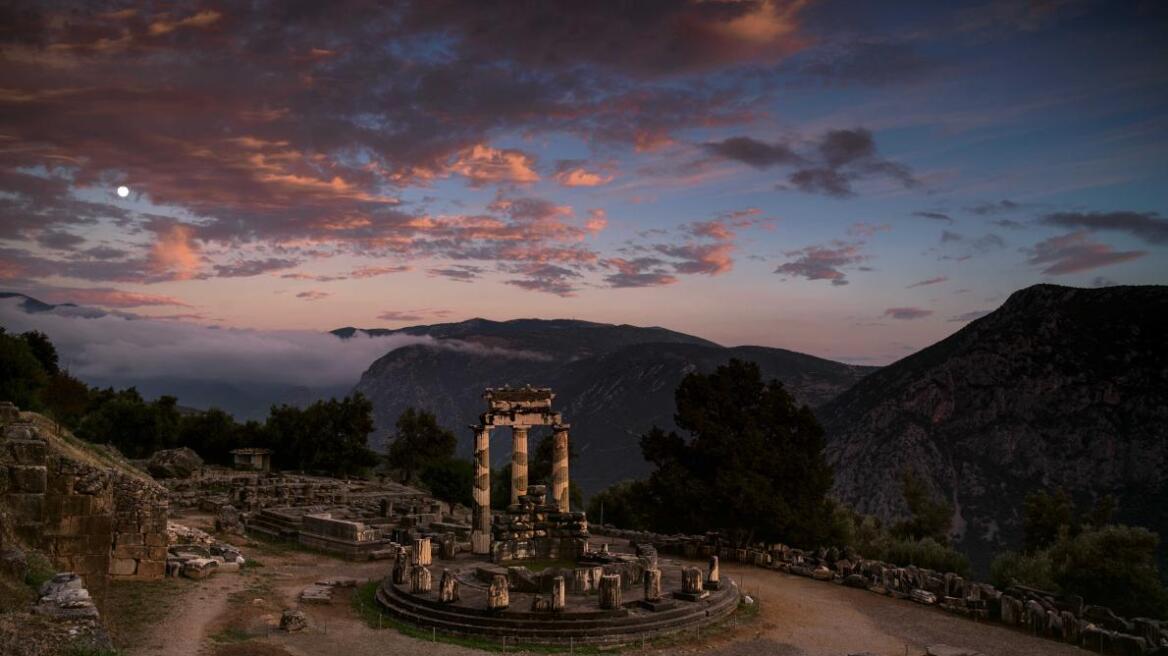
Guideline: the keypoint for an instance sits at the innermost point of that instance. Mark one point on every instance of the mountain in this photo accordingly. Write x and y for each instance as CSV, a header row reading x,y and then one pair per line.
x,y
32,305
1059,387
612,383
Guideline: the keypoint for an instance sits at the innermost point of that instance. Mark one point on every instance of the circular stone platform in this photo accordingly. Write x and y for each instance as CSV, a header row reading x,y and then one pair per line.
x,y
581,622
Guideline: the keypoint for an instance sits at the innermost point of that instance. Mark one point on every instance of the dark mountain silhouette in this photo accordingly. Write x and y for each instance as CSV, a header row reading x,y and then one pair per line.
x,y
1059,387
611,382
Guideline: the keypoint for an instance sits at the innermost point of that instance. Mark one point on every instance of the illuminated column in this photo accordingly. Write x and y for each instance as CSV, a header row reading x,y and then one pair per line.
x,y
560,466
518,462
480,534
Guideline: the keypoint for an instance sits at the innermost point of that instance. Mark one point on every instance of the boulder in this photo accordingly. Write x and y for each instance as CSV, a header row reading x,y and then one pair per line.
x,y
174,463
293,620
199,568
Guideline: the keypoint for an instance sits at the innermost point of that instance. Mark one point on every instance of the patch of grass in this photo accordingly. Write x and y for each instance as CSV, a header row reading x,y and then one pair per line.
x,y
86,649
39,570
278,547
251,563
133,606
231,634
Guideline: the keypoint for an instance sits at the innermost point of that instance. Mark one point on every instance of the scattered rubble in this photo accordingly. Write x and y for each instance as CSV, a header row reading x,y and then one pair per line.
x,y
293,620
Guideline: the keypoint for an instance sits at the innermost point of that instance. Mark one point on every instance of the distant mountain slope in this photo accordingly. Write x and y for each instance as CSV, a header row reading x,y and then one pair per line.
x,y
1058,387
612,382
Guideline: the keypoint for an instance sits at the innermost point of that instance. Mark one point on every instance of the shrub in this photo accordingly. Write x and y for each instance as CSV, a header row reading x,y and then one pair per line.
x,y
1113,566
927,553
1034,570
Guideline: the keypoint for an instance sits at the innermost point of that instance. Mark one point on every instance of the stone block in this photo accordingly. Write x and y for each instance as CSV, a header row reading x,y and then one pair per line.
x,y
610,591
151,569
123,567
27,452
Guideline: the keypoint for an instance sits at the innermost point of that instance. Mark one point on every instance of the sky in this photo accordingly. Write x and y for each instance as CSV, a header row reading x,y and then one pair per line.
x,y
850,179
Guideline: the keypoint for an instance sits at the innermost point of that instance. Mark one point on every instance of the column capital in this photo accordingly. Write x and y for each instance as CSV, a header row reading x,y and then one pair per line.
x,y
559,428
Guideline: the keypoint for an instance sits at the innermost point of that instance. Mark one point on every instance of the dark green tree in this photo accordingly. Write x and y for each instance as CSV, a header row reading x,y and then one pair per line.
x,y
43,349
929,518
450,480
212,434
339,435
126,421
752,465
66,399
622,505
1113,566
1046,516
417,442
22,377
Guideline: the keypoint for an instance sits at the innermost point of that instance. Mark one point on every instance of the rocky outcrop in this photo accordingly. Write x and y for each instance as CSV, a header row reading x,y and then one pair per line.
x,y
614,382
174,463
1059,387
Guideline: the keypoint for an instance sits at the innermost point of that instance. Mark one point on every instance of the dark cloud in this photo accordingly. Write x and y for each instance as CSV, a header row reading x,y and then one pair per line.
x,y
648,38
822,262
248,268
1075,252
929,281
848,156
458,272
874,63
413,315
59,240
638,272
548,278
936,216
755,153
1008,224
989,208
313,295
907,313
1148,226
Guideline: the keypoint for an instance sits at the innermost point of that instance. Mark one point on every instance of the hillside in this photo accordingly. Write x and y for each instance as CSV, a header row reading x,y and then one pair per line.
x,y
1059,387
612,382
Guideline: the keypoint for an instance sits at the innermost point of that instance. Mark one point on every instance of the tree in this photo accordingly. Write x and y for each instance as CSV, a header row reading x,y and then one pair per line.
x,y
1113,566
126,421
930,519
44,351
66,398
419,441
1045,517
212,434
22,377
339,434
621,505
752,465
450,480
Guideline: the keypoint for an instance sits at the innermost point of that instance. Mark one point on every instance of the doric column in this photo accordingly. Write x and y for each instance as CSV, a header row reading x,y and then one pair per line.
x,y
518,462
480,534
560,466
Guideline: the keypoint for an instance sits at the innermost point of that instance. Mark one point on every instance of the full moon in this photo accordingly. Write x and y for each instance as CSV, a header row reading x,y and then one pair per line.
x,y
123,191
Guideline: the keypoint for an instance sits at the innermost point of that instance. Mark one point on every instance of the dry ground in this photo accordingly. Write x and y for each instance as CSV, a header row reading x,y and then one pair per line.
x,y
238,614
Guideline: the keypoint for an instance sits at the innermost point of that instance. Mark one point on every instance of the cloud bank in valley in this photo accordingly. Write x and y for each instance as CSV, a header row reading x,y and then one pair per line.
x,y
126,348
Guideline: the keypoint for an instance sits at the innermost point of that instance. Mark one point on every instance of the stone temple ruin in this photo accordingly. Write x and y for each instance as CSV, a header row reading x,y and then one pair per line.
x,y
584,593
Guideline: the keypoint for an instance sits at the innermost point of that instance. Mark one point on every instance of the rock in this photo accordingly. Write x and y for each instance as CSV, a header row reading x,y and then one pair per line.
x,y
228,520
293,620
317,594
199,568
610,590
174,463
498,597
923,596
748,600
855,581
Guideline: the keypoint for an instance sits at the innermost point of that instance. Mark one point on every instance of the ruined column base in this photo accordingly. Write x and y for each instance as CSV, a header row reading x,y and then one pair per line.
x,y
480,543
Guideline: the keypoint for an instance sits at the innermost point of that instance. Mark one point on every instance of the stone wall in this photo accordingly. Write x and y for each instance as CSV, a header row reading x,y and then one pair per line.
x,y
534,529
87,510
1064,618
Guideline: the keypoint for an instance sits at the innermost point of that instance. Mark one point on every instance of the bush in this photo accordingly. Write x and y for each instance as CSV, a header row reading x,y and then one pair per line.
x,y
620,505
927,553
1034,570
1114,566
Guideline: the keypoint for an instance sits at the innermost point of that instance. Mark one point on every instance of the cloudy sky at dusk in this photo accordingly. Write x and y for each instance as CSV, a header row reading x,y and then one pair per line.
x,y
843,178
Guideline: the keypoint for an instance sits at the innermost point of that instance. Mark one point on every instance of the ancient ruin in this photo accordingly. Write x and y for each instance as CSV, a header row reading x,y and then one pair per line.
x,y
585,593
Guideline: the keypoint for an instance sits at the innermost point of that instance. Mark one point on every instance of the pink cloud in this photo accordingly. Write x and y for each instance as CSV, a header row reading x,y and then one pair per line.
x,y
1075,252
907,313
823,262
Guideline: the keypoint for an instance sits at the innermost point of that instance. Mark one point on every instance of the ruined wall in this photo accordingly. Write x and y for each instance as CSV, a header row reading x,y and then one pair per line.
x,y
87,510
534,529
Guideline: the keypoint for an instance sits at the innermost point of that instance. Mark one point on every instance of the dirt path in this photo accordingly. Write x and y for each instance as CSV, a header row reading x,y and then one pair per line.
x,y
237,614
801,617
